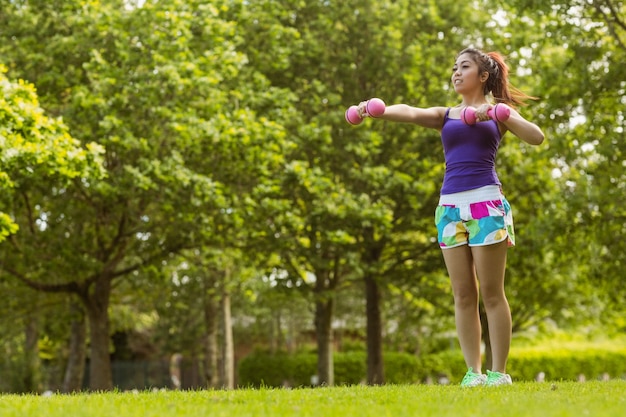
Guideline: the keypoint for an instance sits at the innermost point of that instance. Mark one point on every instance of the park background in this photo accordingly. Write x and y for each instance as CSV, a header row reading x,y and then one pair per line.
x,y
181,191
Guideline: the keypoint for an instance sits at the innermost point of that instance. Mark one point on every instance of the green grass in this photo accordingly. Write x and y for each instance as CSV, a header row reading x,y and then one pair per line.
x,y
521,399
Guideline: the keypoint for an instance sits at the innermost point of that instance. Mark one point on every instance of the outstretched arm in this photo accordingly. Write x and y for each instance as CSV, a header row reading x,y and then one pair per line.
x,y
431,117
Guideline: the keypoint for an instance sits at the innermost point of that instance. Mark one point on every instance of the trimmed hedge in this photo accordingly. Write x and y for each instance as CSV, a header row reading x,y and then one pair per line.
x,y
261,369
567,363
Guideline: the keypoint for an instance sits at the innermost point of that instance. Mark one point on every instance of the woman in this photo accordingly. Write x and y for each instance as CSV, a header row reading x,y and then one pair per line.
x,y
473,218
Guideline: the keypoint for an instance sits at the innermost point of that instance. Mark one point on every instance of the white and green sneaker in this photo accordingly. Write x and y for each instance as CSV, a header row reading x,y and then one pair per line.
x,y
473,379
495,379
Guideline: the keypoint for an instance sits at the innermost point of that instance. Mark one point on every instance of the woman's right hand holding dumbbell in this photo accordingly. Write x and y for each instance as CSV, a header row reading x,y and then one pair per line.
x,y
500,113
374,107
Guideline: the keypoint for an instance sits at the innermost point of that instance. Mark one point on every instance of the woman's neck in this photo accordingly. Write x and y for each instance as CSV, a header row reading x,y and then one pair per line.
x,y
474,100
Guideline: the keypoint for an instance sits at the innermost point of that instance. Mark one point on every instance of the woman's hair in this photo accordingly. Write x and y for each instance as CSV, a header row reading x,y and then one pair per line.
x,y
498,82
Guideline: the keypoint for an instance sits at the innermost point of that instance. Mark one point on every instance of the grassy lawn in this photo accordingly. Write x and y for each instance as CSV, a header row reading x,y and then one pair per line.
x,y
522,399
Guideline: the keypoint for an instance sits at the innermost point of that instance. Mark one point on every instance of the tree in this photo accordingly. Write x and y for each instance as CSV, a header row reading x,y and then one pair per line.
x,y
37,153
152,85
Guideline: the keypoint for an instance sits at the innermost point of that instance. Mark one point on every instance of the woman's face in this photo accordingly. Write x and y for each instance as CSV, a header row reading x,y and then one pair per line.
x,y
465,75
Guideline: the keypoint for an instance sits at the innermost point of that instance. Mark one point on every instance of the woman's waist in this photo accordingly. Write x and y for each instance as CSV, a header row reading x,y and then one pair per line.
x,y
475,195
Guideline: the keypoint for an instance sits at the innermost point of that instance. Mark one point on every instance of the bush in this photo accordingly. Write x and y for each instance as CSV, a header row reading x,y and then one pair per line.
x,y
402,368
274,370
566,363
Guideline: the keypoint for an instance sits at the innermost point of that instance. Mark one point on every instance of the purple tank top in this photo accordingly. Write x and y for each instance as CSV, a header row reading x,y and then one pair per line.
x,y
470,154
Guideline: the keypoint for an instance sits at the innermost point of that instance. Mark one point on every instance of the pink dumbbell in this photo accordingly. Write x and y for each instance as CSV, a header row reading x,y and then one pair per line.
x,y
500,113
374,107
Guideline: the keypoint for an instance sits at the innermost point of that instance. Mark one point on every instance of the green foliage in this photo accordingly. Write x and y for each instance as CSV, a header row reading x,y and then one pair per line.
x,y
259,369
403,368
577,60
567,363
281,369
36,148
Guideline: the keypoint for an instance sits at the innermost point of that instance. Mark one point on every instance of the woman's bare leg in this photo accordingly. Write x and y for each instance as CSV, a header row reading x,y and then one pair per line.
x,y
460,265
490,262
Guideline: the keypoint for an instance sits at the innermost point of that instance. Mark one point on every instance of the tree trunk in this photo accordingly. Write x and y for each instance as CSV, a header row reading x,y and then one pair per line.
x,y
229,349
292,332
486,339
75,370
323,331
31,353
275,335
375,369
97,305
210,337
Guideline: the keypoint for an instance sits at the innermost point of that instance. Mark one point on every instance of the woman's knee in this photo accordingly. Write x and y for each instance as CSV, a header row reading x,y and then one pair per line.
x,y
493,299
467,299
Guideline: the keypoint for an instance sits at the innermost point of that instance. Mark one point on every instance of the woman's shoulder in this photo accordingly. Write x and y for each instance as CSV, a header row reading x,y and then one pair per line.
x,y
433,117
454,112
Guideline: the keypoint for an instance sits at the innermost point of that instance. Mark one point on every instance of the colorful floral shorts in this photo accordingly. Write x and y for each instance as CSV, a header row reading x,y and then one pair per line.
x,y
474,224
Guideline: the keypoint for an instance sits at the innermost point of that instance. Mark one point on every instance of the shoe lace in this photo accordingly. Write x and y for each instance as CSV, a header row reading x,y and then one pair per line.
x,y
494,376
470,376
